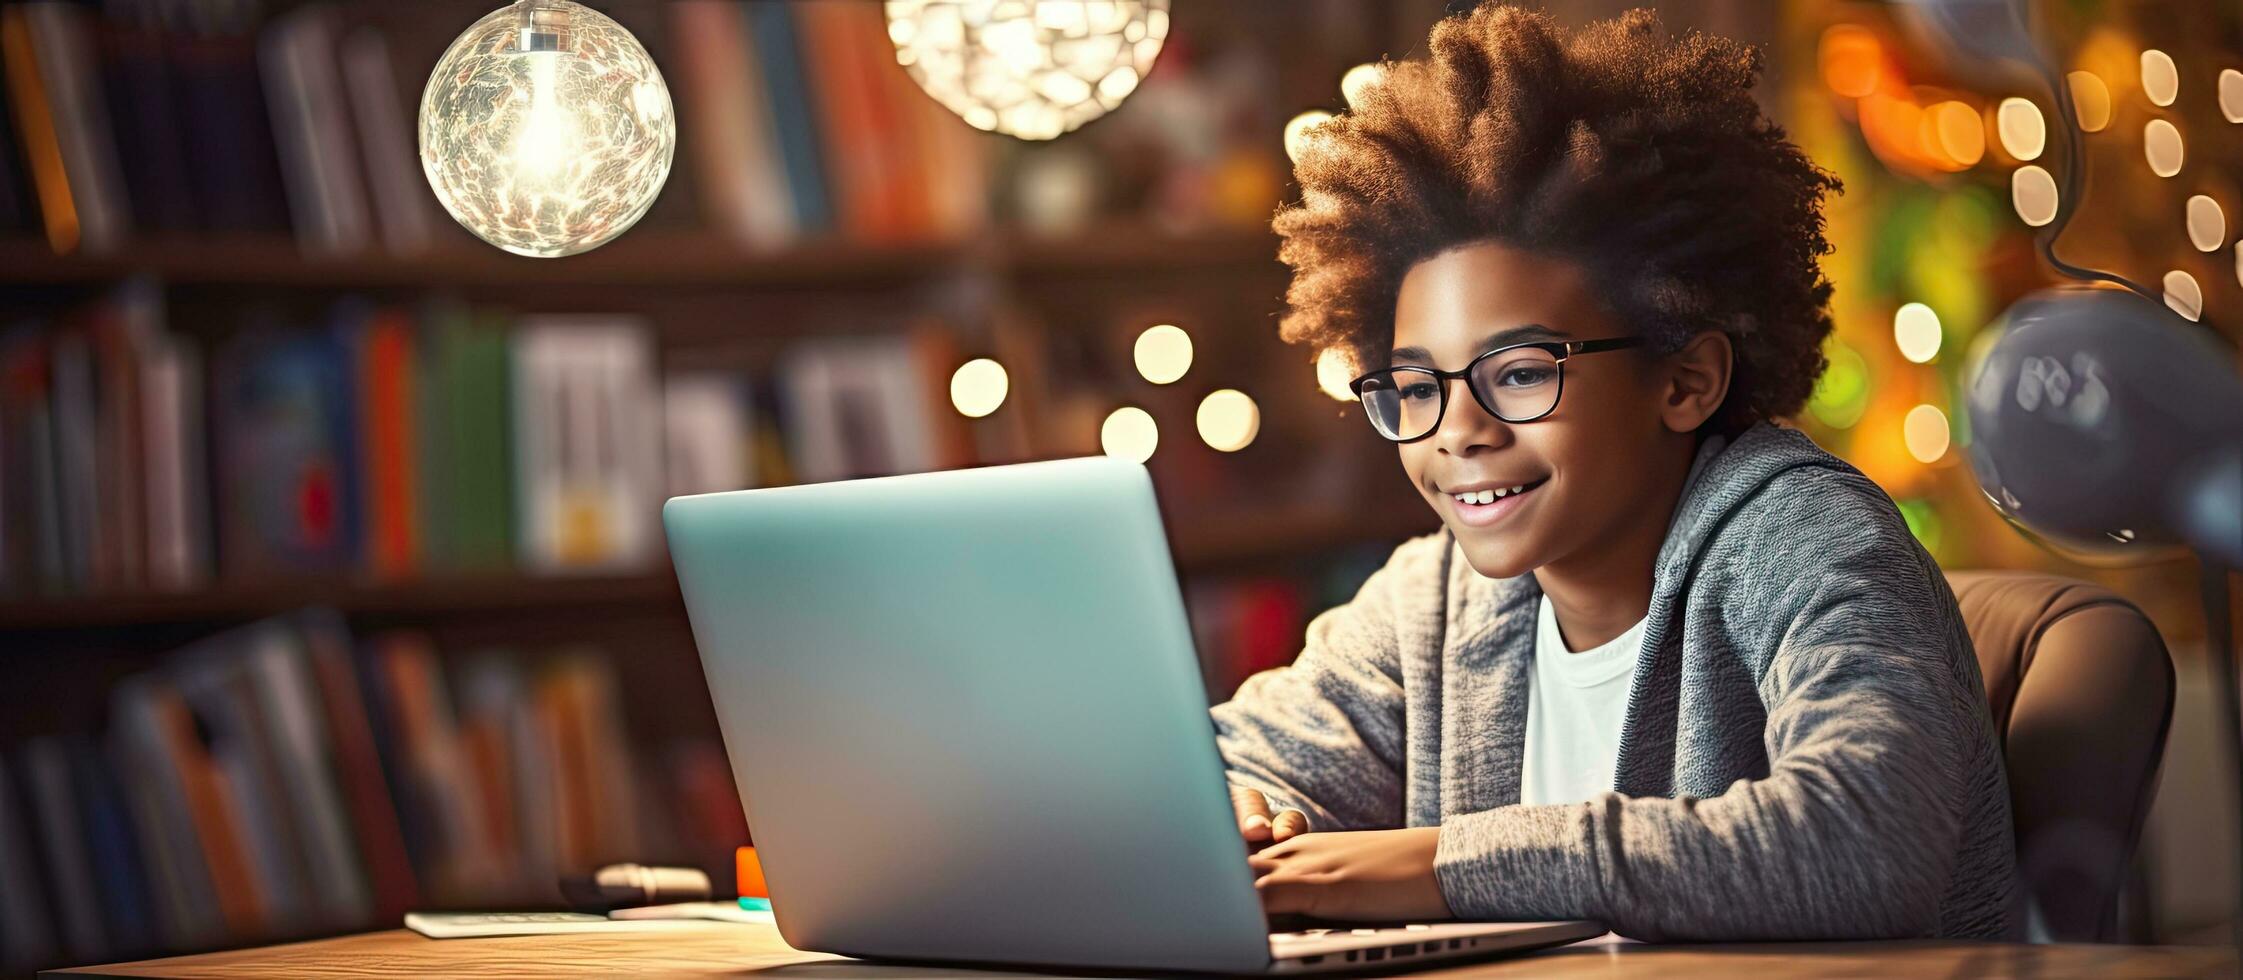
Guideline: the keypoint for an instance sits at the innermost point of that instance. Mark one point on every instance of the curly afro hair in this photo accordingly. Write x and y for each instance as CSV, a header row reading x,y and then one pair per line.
x,y
1640,155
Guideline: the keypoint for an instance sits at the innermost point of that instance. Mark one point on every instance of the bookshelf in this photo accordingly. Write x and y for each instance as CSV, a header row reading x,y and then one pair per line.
x,y
456,647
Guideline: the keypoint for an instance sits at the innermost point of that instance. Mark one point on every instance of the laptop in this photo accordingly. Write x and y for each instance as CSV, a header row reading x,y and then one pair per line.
x,y
967,723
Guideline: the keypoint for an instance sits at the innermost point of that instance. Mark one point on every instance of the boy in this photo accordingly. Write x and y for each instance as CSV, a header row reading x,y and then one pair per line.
x,y
1667,665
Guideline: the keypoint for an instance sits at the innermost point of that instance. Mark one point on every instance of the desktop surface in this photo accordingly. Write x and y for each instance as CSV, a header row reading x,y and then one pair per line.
x,y
734,950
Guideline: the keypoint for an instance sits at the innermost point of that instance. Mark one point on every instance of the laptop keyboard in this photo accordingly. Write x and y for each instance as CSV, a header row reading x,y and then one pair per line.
x,y
1370,945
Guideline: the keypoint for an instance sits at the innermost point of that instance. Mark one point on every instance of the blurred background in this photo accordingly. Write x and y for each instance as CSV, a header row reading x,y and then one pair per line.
x,y
330,577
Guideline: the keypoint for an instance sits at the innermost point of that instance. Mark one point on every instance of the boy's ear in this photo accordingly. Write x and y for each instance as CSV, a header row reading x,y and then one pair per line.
x,y
1697,381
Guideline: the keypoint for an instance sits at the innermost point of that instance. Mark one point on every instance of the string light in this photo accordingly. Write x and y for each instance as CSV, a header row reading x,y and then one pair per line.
x,y
2092,99
1164,353
1916,332
1926,432
2161,81
2207,227
2022,131
2183,295
978,387
2161,143
1130,434
1334,370
1228,420
2033,193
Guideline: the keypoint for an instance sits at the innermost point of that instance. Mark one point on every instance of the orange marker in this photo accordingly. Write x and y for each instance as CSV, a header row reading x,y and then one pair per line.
x,y
749,872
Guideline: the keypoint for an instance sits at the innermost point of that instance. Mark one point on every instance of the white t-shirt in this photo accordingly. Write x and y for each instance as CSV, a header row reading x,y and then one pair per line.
x,y
1575,705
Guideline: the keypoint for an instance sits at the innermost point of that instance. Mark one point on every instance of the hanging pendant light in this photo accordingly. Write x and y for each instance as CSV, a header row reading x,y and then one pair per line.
x,y
1033,69
546,129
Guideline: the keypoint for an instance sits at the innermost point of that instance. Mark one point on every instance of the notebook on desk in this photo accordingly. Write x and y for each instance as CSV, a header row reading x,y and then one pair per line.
x,y
967,723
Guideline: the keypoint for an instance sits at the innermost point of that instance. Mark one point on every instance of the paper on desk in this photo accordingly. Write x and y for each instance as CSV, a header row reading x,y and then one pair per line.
x,y
727,911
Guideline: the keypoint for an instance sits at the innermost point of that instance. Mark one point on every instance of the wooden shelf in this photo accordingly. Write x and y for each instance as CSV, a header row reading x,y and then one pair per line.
x,y
242,600
651,259
1242,543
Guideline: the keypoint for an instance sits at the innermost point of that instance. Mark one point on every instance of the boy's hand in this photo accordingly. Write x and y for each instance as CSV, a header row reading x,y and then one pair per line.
x,y
1377,875
1256,823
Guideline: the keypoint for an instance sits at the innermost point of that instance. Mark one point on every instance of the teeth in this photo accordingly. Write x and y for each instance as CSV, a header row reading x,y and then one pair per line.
x,y
1487,496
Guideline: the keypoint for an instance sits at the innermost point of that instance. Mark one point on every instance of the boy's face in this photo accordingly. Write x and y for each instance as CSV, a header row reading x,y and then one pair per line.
x,y
1592,467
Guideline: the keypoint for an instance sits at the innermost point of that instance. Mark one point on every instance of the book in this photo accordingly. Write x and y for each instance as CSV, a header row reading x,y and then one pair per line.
x,y
364,786
467,442
707,432
62,847
178,498
221,95
26,934
772,31
120,870
311,127
588,439
726,124
150,131
387,137
283,408
294,734
385,363
85,194
865,405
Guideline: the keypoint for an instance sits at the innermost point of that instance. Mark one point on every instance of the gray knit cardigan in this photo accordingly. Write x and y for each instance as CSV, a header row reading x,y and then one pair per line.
x,y
1807,752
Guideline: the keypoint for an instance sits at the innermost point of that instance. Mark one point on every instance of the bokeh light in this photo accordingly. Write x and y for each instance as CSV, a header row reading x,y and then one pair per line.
x,y
1842,393
2161,143
1164,353
1926,433
1923,522
2183,295
2091,99
1916,331
1358,80
978,387
2161,80
2231,95
1228,420
1297,131
553,151
1334,370
1130,434
2207,226
1852,60
1961,132
2023,132
2033,193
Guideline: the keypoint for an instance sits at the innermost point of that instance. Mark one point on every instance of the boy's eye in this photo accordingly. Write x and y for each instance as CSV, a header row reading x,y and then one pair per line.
x,y
1525,375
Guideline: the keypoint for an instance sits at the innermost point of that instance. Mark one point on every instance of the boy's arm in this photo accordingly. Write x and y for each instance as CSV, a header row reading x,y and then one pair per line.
x,y
1877,742
1325,734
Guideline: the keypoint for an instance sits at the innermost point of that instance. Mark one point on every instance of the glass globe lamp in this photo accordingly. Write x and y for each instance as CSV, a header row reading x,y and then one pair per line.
x,y
1033,69
546,129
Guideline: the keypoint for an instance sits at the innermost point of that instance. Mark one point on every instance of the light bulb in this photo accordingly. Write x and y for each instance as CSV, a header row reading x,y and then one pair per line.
x,y
546,129
1033,70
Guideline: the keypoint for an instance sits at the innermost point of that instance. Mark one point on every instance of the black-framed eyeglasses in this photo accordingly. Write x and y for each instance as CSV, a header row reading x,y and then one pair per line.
x,y
1515,383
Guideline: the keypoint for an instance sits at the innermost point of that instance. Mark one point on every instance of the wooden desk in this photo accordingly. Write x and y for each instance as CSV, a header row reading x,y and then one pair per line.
x,y
729,950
